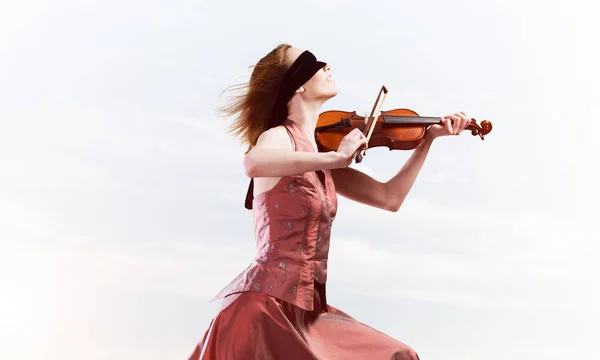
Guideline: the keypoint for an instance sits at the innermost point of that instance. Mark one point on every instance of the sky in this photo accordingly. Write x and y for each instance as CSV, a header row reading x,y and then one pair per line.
x,y
121,197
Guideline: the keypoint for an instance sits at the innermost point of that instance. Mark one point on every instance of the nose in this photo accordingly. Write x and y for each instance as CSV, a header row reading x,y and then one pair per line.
x,y
327,67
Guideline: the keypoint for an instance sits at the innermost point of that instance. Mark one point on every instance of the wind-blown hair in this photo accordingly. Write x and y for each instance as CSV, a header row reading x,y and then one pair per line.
x,y
255,104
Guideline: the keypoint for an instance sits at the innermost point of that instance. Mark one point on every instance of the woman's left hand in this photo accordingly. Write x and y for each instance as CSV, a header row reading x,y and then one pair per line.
x,y
451,125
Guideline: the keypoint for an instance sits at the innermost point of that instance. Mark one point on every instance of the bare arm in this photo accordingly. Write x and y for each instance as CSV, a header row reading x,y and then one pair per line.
x,y
273,156
390,195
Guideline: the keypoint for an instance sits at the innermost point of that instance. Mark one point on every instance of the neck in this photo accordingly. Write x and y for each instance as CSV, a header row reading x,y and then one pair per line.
x,y
305,114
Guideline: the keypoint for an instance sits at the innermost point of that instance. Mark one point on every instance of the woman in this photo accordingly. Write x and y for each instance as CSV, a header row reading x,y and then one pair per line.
x,y
277,307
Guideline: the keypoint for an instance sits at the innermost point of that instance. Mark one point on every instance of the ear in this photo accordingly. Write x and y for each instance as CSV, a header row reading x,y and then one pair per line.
x,y
300,89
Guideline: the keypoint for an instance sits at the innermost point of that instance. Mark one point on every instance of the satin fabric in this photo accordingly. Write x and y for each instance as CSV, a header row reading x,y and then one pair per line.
x,y
256,326
277,307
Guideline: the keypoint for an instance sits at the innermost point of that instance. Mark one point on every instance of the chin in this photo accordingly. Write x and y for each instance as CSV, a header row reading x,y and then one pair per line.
x,y
333,92
328,96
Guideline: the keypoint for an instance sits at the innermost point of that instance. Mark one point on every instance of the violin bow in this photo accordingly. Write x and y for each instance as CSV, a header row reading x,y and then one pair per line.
x,y
371,121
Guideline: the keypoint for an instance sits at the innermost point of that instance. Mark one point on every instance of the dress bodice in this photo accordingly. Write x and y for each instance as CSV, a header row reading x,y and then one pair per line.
x,y
292,228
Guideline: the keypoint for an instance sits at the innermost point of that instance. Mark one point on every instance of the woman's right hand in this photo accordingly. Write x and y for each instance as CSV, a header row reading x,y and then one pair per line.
x,y
350,144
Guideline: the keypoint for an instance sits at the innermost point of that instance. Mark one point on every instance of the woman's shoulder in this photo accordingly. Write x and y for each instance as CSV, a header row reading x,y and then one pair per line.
x,y
275,138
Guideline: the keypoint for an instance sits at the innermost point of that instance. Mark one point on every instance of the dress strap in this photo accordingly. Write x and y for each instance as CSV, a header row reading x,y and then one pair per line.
x,y
250,195
250,192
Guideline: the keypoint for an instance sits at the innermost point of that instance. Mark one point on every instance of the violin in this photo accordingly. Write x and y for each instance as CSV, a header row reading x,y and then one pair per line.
x,y
396,129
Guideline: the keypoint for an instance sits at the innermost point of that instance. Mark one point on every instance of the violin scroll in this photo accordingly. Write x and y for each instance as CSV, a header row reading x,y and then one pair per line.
x,y
481,130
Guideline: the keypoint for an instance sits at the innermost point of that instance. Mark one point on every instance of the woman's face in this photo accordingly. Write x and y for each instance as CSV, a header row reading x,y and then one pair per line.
x,y
321,86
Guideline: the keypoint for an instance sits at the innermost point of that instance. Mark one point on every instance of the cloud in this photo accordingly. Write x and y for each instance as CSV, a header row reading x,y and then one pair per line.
x,y
442,253
527,264
444,176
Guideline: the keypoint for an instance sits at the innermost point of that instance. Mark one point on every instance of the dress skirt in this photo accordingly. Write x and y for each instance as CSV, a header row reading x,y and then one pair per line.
x,y
256,326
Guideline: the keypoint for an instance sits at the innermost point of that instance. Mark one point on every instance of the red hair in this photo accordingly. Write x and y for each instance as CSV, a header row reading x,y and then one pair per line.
x,y
255,105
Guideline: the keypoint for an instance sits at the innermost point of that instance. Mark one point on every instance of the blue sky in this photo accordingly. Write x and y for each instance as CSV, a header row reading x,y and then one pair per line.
x,y
121,205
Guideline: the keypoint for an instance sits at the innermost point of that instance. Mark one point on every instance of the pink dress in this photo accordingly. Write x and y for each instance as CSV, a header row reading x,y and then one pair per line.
x,y
277,308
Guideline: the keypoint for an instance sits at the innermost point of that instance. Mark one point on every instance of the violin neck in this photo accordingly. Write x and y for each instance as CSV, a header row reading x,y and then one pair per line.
x,y
410,120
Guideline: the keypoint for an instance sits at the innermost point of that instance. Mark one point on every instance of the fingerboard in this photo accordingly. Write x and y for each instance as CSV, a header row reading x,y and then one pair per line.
x,y
421,120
